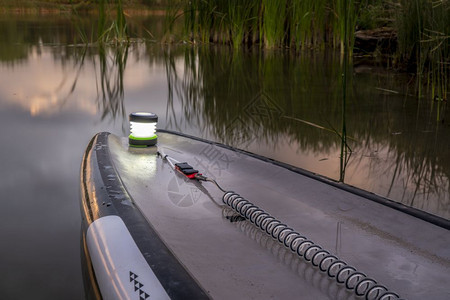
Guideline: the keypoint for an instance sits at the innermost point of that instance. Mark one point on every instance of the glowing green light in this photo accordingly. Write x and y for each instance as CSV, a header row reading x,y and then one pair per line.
x,y
142,129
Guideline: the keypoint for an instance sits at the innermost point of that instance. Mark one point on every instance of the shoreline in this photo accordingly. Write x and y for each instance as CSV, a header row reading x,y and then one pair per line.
x,y
47,8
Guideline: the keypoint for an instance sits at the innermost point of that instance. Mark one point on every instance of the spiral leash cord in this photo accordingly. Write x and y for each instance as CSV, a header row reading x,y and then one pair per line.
x,y
306,271
335,268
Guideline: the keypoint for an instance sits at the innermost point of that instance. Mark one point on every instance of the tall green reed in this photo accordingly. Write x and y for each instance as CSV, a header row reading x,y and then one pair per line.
x,y
344,24
238,20
307,23
172,15
274,22
116,31
424,43
284,23
345,10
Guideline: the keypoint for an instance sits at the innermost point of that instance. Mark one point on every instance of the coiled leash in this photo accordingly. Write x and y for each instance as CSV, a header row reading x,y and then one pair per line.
x,y
306,249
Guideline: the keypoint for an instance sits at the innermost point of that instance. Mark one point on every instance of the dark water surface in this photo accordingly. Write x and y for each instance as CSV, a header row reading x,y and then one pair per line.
x,y
55,94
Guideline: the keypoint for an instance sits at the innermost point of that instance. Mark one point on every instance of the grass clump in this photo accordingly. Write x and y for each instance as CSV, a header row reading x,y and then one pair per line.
x,y
116,31
424,43
419,29
269,24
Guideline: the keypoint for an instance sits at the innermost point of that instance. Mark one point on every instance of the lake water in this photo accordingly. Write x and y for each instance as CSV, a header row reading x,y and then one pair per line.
x,y
56,93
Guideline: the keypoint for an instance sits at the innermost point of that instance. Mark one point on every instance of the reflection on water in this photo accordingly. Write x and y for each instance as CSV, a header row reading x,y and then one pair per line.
x,y
286,107
290,108
112,67
282,106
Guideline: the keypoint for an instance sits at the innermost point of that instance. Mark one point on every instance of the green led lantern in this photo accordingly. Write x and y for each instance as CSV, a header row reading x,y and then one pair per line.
x,y
143,129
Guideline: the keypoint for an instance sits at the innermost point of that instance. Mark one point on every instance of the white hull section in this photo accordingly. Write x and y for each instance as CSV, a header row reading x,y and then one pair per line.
x,y
121,270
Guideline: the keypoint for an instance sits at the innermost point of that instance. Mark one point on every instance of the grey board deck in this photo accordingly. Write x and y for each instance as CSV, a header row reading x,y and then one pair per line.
x,y
236,260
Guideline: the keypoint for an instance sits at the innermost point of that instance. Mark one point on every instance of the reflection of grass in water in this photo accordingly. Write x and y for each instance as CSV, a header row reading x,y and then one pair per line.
x,y
416,158
112,43
110,64
220,92
112,67
417,171
253,82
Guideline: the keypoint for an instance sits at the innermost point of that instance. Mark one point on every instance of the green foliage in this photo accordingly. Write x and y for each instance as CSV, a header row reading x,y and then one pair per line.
x,y
238,17
424,42
274,19
423,28
282,23
344,24
116,32
375,14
